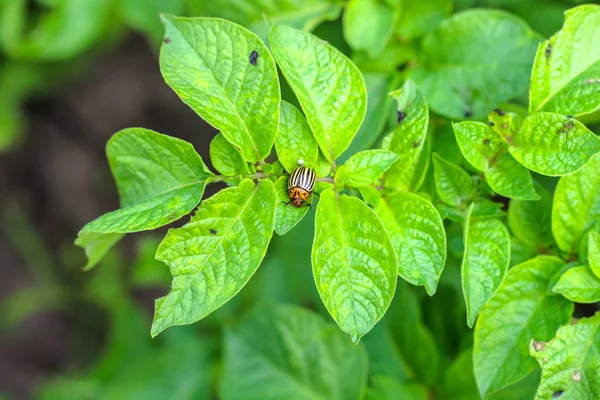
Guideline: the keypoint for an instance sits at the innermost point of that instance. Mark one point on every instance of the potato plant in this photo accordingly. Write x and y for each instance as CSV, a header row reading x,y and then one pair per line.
x,y
450,170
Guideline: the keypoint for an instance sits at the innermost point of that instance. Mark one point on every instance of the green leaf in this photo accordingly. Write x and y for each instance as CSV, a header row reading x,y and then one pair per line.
x,y
258,16
354,264
386,388
369,24
227,159
483,209
521,310
594,253
570,362
579,285
411,337
485,261
13,15
379,106
64,30
96,245
207,63
478,143
530,220
452,183
180,371
370,194
420,17
567,66
214,255
287,352
364,168
286,215
509,178
160,179
295,140
485,151
552,144
474,61
408,139
328,85
576,206
459,382
418,236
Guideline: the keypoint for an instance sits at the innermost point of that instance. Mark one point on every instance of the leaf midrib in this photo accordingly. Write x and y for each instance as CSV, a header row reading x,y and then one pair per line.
x,y
346,266
225,95
217,245
149,199
550,96
513,347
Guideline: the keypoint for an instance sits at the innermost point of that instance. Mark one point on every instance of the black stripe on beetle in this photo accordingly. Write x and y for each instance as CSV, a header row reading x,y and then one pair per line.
x,y
300,186
254,57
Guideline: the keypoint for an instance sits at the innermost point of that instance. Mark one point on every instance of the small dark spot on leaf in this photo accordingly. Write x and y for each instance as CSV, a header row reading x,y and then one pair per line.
x,y
548,51
569,116
401,116
167,40
253,57
556,395
416,143
468,113
491,123
486,142
499,111
213,231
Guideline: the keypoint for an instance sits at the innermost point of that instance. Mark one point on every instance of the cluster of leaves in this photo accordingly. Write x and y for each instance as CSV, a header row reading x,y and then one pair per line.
x,y
406,211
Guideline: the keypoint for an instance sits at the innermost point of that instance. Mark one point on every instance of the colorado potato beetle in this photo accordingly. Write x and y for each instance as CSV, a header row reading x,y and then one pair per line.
x,y
300,185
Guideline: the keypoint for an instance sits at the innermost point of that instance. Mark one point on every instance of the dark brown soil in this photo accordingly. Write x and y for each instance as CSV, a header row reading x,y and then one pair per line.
x,y
59,178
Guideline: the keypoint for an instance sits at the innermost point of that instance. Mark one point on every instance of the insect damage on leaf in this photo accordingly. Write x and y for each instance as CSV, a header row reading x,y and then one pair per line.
x,y
401,116
548,51
254,57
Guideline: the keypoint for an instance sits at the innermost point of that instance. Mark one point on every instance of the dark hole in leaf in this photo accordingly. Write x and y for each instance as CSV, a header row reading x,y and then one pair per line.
x,y
468,113
401,116
548,51
212,231
557,394
499,111
416,143
167,40
253,57
486,142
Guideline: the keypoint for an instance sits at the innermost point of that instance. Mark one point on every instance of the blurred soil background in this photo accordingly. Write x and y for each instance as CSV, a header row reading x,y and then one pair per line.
x,y
56,181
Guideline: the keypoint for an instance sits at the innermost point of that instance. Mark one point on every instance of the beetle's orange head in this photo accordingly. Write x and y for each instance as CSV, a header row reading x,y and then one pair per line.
x,y
297,202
